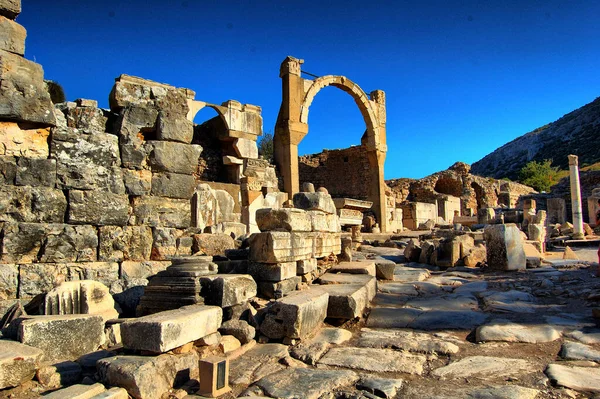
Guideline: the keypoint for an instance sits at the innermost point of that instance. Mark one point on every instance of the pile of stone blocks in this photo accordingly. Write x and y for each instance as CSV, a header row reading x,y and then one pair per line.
x,y
291,241
455,249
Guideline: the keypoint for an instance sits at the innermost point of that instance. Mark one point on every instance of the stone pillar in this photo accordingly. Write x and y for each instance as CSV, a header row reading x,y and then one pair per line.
x,y
593,206
576,197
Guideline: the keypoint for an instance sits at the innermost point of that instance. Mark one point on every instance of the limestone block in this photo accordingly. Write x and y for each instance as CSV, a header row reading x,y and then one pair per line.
x,y
142,270
226,205
346,301
30,143
165,212
135,120
271,289
148,377
318,201
170,329
137,182
79,391
27,242
272,271
226,290
477,256
88,119
98,208
87,161
213,244
233,229
81,297
105,272
9,275
280,246
18,363
36,172
65,337
10,8
38,278
326,244
124,243
32,204
285,219
296,316
8,170
173,185
58,375
174,128
24,96
164,242
384,268
325,222
305,266
504,247
12,36
344,278
245,148
536,232
173,157
205,206
366,267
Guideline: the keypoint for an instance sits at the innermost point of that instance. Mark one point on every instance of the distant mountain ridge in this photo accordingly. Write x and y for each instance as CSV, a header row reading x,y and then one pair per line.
x,y
577,133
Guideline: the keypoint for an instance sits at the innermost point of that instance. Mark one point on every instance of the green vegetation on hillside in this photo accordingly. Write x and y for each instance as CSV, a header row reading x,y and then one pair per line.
x,y
539,175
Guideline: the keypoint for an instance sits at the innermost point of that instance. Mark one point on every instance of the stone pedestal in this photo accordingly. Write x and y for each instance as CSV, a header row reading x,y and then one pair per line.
x,y
179,285
576,197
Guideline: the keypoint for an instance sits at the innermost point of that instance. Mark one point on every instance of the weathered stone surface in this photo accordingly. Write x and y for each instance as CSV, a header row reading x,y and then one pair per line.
x,y
12,36
506,331
137,182
316,382
8,169
343,278
271,289
377,360
164,156
285,219
167,330
147,377
405,340
504,247
384,269
380,387
81,297
32,204
324,222
585,379
259,361
87,161
410,274
314,202
366,267
10,8
9,275
226,290
30,143
64,337
272,271
482,366
245,148
213,244
27,242
170,127
24,96
36,172
306,266
296,316
18,363
89,119
239,329
79,391
98,208
280,246
173,185
124,243
577,351
325,244
165,212
346,301
512,301
59,374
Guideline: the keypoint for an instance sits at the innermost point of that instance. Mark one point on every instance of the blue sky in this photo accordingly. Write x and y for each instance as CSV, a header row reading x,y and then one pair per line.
x,y
461,77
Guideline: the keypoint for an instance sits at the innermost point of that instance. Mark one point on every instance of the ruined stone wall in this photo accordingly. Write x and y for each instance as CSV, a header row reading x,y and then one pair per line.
x,y
345,173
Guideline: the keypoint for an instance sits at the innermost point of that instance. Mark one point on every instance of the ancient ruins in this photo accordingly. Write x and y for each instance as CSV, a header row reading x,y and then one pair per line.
x,y
144,256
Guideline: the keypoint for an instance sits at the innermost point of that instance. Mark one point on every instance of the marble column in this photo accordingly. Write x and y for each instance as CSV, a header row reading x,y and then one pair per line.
x,y
576,197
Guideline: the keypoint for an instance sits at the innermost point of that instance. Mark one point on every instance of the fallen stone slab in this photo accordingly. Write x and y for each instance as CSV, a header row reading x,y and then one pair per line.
x,y
585,379
471,288
377,360
81,297
256,363
346,301
296,316
365,267
512,301
113,393
482,366
407,289
18,363
504,247
448,280
285,219
507,331
380,387
64,337
148,377
163,331
407,274
405,340
587,335
311,351
226,290
345,278
392,317
503,392
577,351
384,268
314,382
59,375
78,391
385,300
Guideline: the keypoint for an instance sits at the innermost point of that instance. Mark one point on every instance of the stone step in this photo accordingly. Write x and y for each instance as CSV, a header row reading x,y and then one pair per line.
x,y
346,301
78,391
167,330
365,267
345,278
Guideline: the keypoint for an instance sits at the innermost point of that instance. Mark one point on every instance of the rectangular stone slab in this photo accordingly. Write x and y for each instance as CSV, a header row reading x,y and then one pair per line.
x,y
18,363
272,271
355,268
346,301
167,330
285,219
281,246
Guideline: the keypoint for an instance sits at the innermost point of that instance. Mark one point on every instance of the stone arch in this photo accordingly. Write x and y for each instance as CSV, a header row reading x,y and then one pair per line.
x,y
480,196
358,95
449,186
196,106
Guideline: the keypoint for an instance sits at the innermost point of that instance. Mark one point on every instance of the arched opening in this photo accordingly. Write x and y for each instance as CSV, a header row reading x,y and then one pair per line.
x,y
479,196
449,186
209,126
